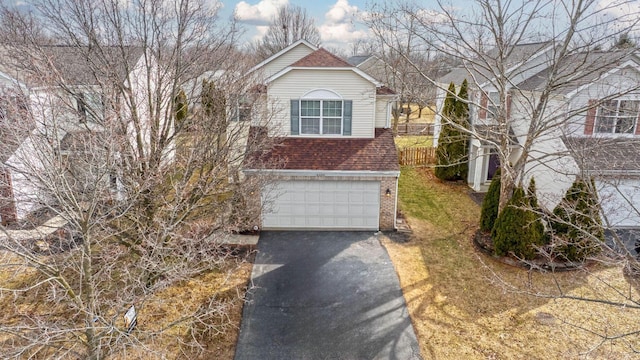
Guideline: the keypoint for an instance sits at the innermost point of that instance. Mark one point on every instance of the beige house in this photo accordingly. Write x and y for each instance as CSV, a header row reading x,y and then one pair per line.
x,y
338,166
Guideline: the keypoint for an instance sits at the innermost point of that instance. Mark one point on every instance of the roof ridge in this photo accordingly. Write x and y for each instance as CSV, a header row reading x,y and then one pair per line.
x,y
316,59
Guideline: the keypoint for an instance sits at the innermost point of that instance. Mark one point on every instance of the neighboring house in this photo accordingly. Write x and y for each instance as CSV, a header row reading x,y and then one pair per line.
x,y
376,67
335,165
58,110
596,132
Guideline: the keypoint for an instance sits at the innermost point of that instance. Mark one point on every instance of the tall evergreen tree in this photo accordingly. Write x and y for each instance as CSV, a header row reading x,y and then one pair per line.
x,y
490,203
462,119
181,108
453,141
577,225
517,229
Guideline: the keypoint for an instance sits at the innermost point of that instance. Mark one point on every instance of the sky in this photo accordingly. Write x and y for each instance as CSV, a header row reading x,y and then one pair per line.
x,y
337,20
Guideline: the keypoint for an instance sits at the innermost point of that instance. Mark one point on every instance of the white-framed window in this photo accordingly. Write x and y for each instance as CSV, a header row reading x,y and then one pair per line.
x,y
321,117
321,112
493,101
89,105
617,116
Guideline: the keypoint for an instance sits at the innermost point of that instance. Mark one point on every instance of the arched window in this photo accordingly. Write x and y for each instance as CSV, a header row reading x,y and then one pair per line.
x,y
321,112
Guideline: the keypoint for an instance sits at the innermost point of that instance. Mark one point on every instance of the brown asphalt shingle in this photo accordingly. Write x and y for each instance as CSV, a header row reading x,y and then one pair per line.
x,y
345,154
321,58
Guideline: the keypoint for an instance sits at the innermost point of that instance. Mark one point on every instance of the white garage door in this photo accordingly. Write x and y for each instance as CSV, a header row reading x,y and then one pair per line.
x,y
620,202
322,205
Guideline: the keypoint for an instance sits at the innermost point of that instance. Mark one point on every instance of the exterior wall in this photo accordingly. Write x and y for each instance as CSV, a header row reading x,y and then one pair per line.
x,y
7,200
625,81
619,197
285,60
50,110
349,85
383,112
388,204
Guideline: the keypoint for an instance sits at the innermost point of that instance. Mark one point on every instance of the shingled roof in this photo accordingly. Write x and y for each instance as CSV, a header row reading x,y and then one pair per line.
x,y
321,58
71,65
342,154
605,155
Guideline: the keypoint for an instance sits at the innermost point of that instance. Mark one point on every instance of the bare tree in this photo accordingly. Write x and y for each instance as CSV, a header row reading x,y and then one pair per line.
x,y
523,109
292,23
403,51
484,40
128,140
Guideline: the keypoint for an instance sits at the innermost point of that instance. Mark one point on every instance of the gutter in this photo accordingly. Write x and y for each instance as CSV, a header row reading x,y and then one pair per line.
x,y
323,173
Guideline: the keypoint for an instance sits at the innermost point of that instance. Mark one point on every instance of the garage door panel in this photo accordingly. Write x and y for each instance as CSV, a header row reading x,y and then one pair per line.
x,y
619,199
323,204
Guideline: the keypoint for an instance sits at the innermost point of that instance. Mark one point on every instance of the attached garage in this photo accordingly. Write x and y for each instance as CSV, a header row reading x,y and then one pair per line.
x,y
322,205
328,183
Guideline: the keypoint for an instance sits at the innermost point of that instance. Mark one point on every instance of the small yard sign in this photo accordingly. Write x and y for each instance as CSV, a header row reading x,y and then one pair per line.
x,y
130,319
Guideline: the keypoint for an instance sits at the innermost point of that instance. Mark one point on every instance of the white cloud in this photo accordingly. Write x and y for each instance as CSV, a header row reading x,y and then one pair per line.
x,y
259,14
261,31
341,11
339,26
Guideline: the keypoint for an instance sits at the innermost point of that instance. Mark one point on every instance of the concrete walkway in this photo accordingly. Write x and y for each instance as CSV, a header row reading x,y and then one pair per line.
x,y
325,295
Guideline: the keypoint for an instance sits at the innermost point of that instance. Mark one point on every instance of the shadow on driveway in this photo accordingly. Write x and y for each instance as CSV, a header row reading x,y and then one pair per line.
x,y
325,295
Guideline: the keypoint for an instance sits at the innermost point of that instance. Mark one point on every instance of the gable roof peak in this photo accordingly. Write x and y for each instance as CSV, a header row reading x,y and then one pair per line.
x,y
321,58
283,51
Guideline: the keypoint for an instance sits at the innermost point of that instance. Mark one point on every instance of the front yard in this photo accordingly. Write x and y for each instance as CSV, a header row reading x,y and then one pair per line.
x,y
465,305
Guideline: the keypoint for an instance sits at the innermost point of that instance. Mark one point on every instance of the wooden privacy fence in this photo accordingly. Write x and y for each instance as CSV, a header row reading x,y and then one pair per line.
x,y
417,156
415,129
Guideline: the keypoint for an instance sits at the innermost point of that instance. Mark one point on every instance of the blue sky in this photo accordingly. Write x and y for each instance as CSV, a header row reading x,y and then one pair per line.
x,y
337,20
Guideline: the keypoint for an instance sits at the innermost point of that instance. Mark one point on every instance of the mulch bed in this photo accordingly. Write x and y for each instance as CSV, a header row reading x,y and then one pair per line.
x,y
483,242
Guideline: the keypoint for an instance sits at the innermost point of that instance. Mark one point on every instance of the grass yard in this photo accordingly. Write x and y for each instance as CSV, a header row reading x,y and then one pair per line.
x,y
224,288
427,115
413,141
465,305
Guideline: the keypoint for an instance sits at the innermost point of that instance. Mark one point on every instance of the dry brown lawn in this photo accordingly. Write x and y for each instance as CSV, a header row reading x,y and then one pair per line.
x,y
465,305
224,287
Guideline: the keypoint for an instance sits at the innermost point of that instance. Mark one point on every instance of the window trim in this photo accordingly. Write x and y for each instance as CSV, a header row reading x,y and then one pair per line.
x,y
616,119
321,117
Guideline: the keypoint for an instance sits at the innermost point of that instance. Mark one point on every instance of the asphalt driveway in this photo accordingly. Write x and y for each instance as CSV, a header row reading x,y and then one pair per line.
x,y
325,295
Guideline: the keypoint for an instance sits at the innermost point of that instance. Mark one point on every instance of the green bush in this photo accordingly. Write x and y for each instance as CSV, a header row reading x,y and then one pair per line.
x,y
517,229
452,151
489,211
576,222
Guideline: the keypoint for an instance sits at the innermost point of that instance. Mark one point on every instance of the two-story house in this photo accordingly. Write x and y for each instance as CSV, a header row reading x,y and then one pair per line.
x,y
50,112
588,128
335,165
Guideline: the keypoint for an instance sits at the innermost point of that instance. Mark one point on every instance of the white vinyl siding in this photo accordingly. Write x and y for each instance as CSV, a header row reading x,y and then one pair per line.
x,y
322,205
619,200
382,112
617,83
346,83
285,60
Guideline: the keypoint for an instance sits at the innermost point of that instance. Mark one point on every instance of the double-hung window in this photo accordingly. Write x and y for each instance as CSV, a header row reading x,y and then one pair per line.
x,y
492,105
89,105
617,116
321,117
